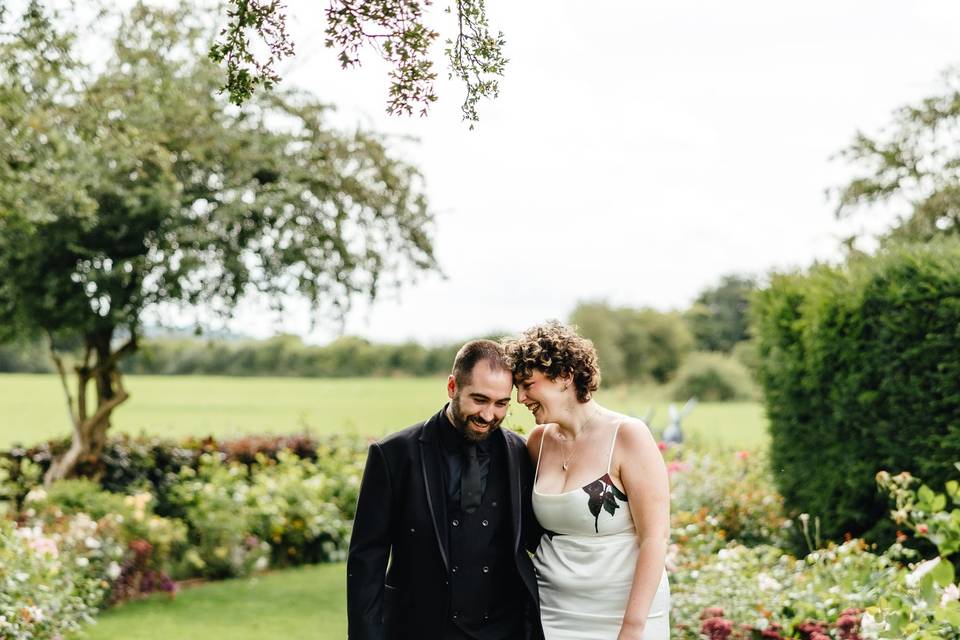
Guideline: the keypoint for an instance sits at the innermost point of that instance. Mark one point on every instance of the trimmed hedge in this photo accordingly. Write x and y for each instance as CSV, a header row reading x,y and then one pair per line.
x,y
860,366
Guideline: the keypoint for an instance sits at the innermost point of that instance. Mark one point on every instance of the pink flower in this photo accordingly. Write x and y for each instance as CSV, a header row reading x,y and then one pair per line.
x,y
922,528
44,546
662,445
743,455
676,465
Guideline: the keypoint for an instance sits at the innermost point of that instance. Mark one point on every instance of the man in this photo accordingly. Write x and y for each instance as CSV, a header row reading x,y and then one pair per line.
x,y
448,502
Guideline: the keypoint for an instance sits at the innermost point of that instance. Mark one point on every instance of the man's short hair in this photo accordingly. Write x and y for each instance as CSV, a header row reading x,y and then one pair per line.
x,y
474,352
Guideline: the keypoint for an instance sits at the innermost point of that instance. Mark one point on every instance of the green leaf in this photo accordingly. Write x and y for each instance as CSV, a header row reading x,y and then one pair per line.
x,y
942,574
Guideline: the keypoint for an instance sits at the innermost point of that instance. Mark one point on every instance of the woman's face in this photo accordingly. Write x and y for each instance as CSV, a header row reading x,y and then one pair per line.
x,y
545,398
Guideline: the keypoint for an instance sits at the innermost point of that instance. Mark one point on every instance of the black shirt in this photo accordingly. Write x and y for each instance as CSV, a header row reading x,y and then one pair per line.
x,y
452,451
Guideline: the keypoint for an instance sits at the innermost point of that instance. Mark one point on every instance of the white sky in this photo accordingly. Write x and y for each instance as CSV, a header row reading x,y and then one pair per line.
x,y
638,151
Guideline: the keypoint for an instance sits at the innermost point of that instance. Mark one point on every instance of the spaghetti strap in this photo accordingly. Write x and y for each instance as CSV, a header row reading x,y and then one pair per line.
x,y
543,441
612,444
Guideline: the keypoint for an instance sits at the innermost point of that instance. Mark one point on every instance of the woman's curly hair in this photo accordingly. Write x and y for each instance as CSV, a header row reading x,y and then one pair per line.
x,y
557,351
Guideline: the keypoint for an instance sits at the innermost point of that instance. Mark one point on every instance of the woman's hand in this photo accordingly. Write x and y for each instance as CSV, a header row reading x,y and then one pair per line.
x,y
631,631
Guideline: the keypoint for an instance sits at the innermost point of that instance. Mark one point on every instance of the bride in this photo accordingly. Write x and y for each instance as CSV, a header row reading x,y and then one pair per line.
x,y
600,492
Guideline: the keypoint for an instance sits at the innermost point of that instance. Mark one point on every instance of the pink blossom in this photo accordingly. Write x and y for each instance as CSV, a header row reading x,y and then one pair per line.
x,y
676,465
743,455
44,546
922,528
662,445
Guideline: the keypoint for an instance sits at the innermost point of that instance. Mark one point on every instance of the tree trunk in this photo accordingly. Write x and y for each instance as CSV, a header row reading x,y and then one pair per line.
x,y
90,431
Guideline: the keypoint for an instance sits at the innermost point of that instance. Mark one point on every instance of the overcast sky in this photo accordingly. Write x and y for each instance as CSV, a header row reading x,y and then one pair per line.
x,y
638,151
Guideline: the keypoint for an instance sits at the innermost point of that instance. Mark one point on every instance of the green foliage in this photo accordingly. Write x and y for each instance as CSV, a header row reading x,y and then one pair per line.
x,y
143,187
712,377
633,345
214,502
289,356
913,165
718,318
397,30
930,515
859,366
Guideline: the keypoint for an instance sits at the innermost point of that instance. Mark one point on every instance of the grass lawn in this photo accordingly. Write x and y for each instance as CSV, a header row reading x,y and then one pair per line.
x,y
306,602
32,408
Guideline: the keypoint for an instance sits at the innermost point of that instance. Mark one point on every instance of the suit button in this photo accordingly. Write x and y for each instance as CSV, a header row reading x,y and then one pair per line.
x,y
413,530
455,523
486,569
494,503
484,523
455,569
455,615
486,616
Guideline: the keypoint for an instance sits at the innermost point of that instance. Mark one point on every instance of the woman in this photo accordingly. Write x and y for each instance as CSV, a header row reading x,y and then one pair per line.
x,y
600,491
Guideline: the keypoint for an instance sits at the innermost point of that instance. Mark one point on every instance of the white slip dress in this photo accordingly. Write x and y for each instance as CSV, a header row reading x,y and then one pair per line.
x,y
585,565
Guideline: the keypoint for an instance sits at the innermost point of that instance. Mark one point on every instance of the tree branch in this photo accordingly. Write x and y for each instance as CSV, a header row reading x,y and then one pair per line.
x,y
74,418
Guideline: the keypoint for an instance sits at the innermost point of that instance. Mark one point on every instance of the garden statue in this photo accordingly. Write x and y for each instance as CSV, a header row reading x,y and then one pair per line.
x,y
672,433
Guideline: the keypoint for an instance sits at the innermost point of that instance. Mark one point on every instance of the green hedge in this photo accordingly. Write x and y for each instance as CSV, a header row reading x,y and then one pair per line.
x,y
860,367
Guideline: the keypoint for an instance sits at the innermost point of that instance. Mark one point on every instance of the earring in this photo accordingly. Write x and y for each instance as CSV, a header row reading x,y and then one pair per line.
x,y
565,387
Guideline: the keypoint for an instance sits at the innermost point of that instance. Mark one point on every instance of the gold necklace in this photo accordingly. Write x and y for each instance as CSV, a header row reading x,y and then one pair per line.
x,y
564,458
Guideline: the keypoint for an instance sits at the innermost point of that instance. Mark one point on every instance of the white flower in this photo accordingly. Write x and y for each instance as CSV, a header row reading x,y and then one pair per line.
x,y
767,583
261,564
36,494
113,571
20,576
92,543
950,594
82,562
869,627
922,569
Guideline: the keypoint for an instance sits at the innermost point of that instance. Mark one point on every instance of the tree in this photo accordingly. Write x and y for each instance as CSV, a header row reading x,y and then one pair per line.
x,y
914,165
633,345
397,29
133,185
719,316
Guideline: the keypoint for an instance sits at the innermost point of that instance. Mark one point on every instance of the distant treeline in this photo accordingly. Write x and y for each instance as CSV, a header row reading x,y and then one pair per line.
x,y
634,345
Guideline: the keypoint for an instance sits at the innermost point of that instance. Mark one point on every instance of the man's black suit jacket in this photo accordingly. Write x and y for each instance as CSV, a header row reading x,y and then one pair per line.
x,y
401,517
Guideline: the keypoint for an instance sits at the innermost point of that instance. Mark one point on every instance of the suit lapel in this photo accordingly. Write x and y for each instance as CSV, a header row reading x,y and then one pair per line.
x,y
516,487
431,467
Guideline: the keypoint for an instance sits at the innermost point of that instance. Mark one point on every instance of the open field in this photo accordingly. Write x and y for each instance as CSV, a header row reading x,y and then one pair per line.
x,y
306,602
32,408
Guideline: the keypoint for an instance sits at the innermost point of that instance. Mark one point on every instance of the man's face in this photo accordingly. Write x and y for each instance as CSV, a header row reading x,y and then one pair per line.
x,y
479,406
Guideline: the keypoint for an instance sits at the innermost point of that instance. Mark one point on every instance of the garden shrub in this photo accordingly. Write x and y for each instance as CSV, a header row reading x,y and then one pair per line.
x,y
860,367
712,377
54,579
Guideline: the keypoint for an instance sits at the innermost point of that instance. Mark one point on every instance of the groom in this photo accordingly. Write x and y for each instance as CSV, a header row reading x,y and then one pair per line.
x,y
447,500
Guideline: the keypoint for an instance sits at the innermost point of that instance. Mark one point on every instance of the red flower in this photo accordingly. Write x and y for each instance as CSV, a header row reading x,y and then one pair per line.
x,y
716,628
662,445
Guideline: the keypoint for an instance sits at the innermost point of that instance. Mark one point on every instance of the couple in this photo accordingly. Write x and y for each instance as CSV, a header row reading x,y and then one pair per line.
x,y
455,503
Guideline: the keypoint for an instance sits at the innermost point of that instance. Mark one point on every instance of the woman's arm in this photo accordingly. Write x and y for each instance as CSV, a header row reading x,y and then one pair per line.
x,y
644,477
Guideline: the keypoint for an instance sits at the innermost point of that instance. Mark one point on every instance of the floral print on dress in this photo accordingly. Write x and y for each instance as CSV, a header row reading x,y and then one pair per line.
x,y
603,497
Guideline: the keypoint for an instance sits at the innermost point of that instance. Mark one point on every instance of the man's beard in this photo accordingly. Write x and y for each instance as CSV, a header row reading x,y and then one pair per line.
x,y
460,423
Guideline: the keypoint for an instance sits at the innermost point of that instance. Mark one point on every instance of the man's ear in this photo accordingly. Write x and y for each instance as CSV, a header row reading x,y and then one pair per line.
x,y
451,386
